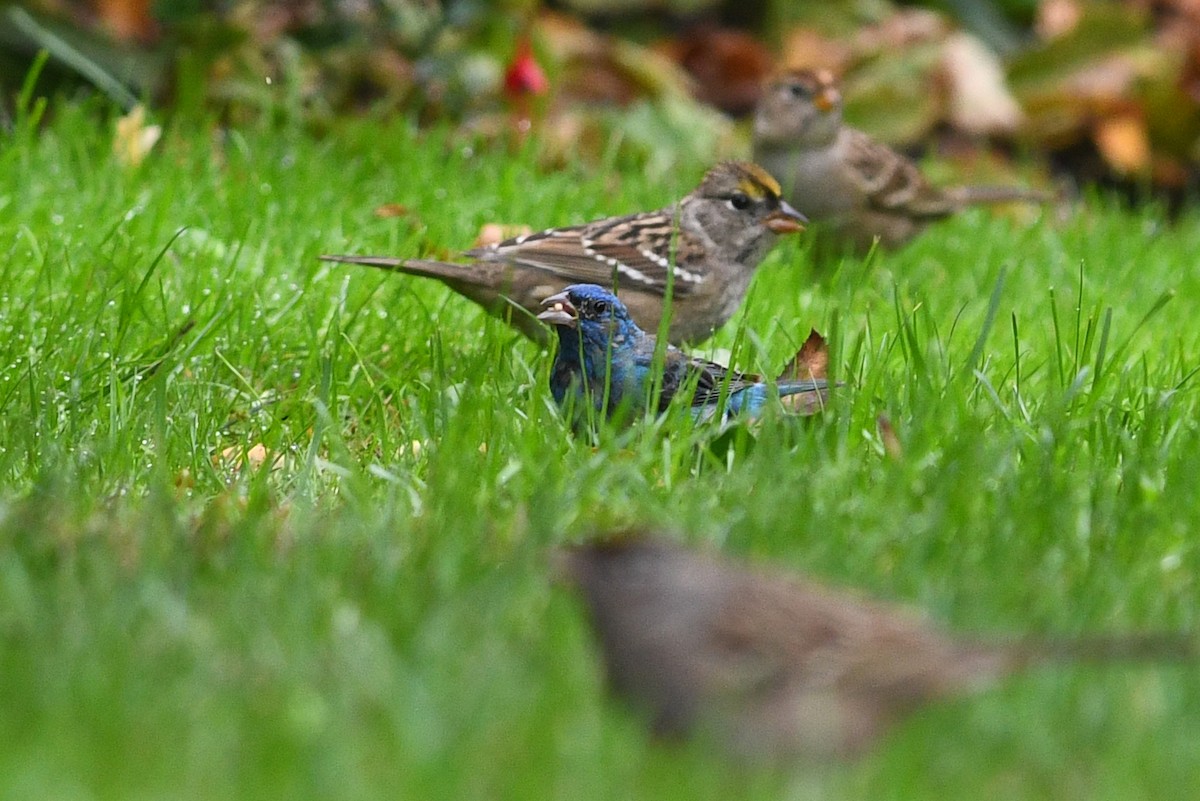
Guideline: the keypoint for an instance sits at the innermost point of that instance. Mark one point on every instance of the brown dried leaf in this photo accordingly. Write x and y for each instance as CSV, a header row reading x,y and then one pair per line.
x,y
253,458
127,20
891,442
729,66
979,101
594,68
495,233
1124,143
388,210
1057,17
134,138
900,31
806,49
811,361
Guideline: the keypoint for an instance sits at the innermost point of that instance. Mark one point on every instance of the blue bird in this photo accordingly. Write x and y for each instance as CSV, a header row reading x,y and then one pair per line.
x,y
606,360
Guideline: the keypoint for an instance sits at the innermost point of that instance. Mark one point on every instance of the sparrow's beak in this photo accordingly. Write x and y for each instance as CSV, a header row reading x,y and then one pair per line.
x,y
785,220
559,311
827,98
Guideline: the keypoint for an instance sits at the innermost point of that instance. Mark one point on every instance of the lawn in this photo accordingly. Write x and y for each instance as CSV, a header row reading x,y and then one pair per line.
x,y
272,527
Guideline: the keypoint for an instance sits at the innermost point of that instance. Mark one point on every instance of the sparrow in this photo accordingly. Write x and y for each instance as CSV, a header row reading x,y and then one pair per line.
x,y
702,250
775,666
860,189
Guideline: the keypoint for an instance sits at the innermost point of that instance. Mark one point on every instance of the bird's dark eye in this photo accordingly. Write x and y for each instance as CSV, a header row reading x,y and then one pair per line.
x,y
600,307
739,201
798,90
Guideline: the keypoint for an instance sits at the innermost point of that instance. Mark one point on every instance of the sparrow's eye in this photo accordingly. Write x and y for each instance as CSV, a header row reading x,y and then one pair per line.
x,y
600,307
798,90
739,201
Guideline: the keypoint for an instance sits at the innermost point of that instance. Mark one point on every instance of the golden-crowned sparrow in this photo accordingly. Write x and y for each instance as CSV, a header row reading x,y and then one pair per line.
x,y
774,666
705,248
860,189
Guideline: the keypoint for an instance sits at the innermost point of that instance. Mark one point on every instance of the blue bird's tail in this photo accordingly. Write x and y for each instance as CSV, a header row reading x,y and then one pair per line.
x,y
797,396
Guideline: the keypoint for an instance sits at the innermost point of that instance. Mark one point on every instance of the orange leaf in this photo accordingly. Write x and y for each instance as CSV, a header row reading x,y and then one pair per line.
x,y
1124,143
392,210
127,19
495,233
811,361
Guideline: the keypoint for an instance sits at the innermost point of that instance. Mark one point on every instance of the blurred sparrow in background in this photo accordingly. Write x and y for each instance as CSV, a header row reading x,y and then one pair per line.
x,y
775,666
861,189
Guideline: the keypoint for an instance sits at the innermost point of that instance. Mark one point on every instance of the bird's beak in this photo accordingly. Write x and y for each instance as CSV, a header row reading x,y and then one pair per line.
x,y
785,220
827,98
559,311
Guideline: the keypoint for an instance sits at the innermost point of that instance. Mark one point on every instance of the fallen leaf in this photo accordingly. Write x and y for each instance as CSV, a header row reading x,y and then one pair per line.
x,y
806,49
254,458
900,31
811,361
729,66
127,20
979,101
392,210
1124,143
887,434
134,138
495,233
1057,17
184,480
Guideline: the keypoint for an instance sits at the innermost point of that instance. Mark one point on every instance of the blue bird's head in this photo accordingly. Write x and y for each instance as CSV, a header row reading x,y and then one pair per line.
x,y
597,346
591,316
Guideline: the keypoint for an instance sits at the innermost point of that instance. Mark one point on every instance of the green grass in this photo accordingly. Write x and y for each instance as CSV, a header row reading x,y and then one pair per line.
x,y
374,619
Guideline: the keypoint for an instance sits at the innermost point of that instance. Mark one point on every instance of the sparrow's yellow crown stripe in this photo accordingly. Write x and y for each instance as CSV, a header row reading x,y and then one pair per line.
x,y
756,180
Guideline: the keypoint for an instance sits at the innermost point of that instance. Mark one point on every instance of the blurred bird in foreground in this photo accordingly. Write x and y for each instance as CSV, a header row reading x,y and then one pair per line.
x,y
860,189
606,361
775,666
703,249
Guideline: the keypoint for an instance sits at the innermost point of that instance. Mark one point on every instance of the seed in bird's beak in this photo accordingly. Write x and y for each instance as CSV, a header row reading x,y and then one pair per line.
x,y
559,311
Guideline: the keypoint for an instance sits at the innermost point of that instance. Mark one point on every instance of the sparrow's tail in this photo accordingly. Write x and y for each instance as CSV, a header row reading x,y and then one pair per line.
x,y
453,274
977,664
983,659
1142,647
982,195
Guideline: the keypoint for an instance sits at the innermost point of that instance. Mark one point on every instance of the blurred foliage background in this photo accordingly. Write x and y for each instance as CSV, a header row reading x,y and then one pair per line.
x,y
1088,91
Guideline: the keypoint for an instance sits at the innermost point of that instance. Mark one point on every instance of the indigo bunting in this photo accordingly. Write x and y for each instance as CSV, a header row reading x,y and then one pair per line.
x,y
606,360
